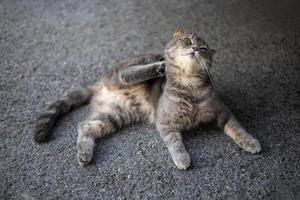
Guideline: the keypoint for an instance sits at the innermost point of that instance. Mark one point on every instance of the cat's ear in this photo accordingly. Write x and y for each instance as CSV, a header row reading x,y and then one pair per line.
x,y
179,32
213,51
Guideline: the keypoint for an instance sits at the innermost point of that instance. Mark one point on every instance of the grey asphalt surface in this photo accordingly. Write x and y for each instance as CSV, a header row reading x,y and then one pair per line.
x,y
49,47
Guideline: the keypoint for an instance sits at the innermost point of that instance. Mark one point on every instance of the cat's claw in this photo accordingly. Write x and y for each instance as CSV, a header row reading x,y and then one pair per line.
x,y
182,160
251,145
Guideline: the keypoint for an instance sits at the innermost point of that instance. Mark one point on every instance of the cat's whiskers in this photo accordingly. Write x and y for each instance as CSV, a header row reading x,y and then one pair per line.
x,y
206,69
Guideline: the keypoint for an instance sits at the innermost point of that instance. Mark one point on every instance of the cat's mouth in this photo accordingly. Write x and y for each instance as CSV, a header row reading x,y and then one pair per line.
x,y
191,52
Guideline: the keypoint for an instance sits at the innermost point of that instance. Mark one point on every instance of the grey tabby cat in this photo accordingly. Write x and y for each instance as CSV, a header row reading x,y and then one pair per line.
x,y
180,100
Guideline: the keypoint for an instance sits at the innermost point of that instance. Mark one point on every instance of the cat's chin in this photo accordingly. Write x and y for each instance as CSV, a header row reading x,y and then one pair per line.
x,y
185,60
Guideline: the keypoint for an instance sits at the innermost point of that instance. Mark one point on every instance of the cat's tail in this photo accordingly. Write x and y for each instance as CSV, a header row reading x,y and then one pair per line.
x,y
62,106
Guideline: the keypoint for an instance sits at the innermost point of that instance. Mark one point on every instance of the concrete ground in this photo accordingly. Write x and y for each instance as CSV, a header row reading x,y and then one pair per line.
x,y
49,47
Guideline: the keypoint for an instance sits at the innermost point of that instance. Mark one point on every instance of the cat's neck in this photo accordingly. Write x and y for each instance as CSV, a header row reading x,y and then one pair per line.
x,y
189,81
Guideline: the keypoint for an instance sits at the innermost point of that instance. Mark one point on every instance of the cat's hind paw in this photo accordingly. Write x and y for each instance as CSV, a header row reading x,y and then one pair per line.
x,y
85,151
251,145
84,159
182,160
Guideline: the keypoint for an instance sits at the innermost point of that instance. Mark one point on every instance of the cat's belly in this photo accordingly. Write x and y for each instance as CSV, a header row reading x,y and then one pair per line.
x,y
206,111
131,101
200,113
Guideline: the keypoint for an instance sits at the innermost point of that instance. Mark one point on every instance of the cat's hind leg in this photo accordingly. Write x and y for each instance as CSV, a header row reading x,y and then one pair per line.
x,y
238,134
140,73
97,126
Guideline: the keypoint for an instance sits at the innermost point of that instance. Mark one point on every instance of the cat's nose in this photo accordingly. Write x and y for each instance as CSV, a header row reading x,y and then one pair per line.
x,y
195,48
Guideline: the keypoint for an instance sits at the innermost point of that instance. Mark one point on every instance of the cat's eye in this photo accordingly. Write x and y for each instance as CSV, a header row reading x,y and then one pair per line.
x,y
187,41
203,49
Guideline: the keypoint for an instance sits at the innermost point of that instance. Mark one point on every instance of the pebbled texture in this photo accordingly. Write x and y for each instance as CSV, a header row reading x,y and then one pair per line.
x,y
49,47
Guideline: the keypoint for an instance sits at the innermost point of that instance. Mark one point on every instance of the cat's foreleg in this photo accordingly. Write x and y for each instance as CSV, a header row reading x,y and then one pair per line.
x,y
139,73
173,140
237,133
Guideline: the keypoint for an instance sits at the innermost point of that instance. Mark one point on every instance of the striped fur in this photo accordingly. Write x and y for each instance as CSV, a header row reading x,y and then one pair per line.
x,y
181,100
47,119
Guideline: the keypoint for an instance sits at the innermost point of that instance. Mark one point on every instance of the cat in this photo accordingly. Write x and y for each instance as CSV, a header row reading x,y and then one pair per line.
x,y
178,101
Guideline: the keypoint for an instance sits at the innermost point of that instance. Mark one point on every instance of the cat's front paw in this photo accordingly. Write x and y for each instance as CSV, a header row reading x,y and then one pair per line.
x,y
251,145
182,160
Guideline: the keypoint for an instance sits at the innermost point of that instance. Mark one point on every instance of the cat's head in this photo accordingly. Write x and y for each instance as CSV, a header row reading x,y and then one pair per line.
x,y
188,52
